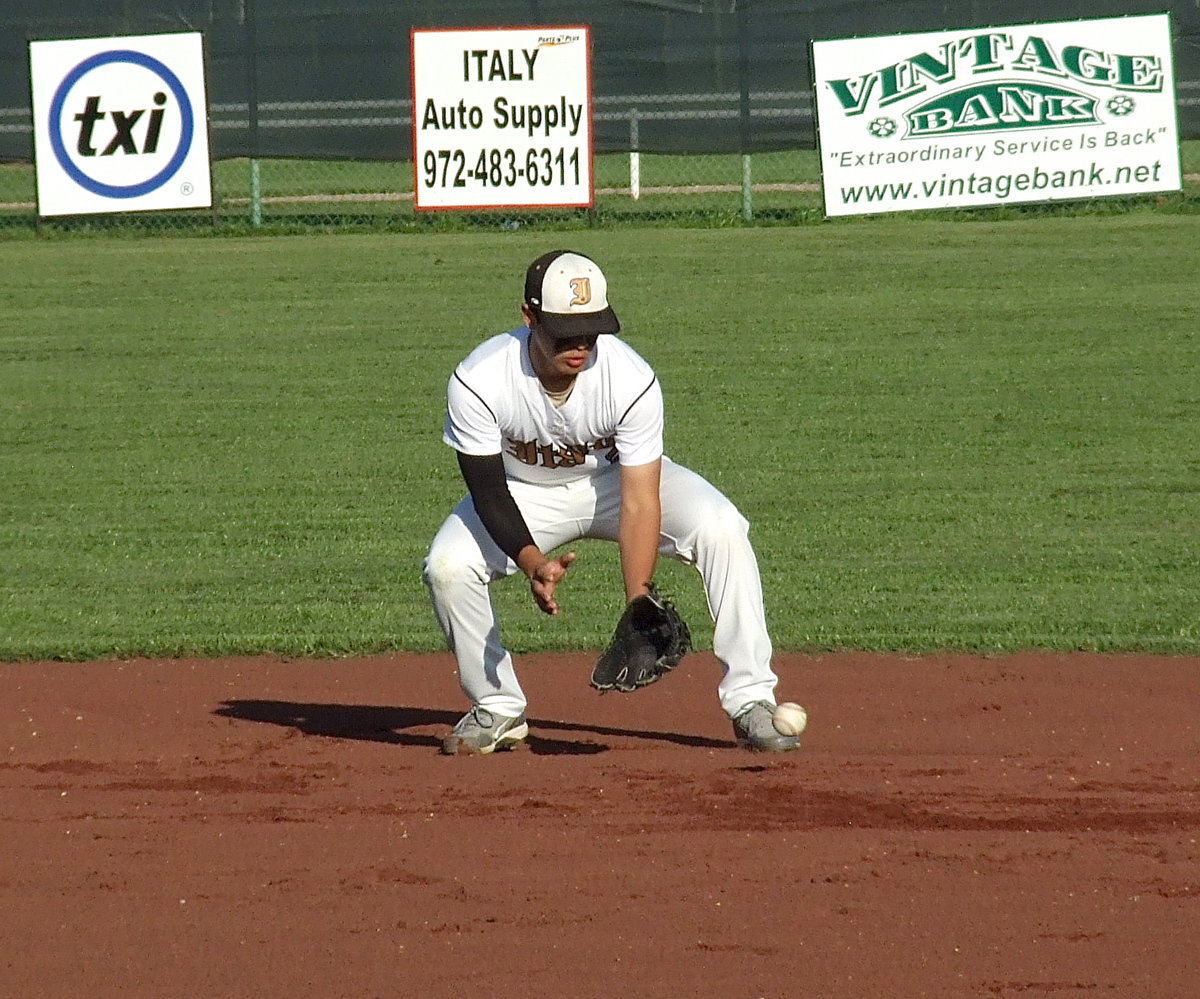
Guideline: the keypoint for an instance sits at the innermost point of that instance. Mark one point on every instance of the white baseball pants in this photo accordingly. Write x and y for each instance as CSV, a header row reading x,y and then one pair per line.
x,y
700,527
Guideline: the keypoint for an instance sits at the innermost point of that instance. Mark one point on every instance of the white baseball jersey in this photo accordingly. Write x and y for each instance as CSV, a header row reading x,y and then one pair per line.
x,y
498,405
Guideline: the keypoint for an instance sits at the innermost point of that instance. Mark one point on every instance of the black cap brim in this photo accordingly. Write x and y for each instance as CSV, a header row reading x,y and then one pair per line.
x,y
562,325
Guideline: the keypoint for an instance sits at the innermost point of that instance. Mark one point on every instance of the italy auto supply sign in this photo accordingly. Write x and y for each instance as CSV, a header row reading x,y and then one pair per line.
x,y
1020,113
120,124
502,118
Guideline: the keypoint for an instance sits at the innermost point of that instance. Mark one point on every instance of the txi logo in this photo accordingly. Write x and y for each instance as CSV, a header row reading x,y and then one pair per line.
x,y
121,124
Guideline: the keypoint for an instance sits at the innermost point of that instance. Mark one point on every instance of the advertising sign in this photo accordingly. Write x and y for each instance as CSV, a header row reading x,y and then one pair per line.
x,y
985,116
120,124
502,118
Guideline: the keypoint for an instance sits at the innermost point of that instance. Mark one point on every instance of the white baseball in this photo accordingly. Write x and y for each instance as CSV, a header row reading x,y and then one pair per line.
x,y
789,719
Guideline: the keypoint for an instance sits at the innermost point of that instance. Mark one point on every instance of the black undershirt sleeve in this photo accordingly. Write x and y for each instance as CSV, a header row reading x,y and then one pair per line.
x,y
484,476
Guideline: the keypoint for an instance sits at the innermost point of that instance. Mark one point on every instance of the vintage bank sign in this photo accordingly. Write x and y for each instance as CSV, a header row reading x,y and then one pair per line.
x,y
1021,113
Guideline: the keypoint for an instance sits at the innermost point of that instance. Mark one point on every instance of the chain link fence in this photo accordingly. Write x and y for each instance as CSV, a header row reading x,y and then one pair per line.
x,y
289,195
640,186
702,111
634,186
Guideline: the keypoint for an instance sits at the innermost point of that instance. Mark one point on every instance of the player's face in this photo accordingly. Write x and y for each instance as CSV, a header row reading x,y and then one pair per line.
x,y
576,344
557,361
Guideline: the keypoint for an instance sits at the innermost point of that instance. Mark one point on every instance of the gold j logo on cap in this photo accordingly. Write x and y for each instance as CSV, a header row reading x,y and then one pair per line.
x,y
583,291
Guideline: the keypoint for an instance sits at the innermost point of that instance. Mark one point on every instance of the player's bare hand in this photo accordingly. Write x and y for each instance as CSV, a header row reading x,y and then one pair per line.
x,y
545,579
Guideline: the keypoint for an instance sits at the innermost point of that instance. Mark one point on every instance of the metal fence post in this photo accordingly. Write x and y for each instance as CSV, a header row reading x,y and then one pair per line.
x,y
635,157
255,193
747,189
745,130
252,111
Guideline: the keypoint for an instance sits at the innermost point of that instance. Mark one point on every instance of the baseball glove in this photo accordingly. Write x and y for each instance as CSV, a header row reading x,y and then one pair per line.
x,y
648,643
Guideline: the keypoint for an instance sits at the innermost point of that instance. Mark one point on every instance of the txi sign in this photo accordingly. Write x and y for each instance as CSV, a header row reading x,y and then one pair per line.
x,y
120,124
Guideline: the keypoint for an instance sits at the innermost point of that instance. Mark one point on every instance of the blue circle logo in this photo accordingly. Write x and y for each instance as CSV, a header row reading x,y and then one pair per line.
x,y
185,136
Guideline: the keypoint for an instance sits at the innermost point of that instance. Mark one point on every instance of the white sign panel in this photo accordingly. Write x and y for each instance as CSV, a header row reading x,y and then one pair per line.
x,y
1021,113
502,117
120,124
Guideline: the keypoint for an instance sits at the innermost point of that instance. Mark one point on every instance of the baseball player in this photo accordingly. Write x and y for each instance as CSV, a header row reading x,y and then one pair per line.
x,y
558,429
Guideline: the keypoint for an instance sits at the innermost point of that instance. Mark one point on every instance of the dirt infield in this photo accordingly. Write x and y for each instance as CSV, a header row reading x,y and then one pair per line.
x,y
954,826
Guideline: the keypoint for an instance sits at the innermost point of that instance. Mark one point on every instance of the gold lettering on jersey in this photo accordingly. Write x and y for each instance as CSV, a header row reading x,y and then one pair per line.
x,y
568,456
583,290
524,451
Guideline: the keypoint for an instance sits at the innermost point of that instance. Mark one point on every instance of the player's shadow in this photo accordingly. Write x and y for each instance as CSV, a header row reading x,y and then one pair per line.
x,y
374,723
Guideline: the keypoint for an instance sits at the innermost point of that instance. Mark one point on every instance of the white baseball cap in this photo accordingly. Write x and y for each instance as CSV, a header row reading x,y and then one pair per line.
x,y
569,295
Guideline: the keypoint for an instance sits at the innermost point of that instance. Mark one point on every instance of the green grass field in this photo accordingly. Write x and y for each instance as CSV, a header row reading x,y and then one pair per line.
x,y
978,435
